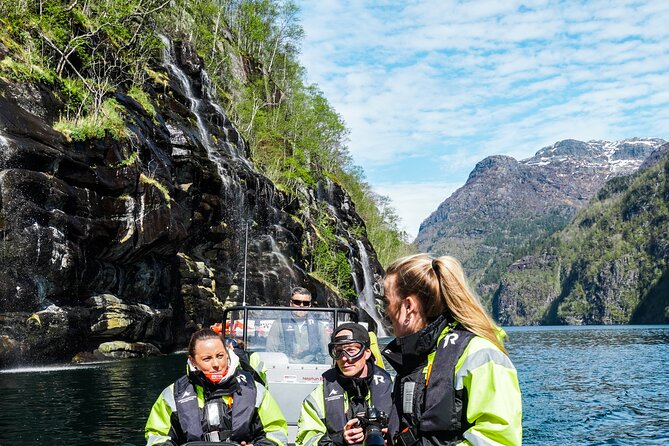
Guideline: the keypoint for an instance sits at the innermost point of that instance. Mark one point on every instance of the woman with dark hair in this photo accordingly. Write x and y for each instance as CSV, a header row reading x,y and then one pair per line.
x,y
215,401
455,383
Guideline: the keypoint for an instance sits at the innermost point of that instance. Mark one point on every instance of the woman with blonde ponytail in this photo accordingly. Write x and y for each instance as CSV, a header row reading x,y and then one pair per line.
x,y
455,383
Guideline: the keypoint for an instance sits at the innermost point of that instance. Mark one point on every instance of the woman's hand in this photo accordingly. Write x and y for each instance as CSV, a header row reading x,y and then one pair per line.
x,y
353,432
243,443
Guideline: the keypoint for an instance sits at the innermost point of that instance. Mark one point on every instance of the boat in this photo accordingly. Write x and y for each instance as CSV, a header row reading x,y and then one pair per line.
x,y
288,376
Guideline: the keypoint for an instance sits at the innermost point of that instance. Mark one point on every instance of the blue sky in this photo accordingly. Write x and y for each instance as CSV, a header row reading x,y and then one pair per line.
x,y
429,88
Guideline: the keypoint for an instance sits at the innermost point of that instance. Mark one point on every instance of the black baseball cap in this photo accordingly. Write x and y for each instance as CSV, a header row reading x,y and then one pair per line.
x,y
359,334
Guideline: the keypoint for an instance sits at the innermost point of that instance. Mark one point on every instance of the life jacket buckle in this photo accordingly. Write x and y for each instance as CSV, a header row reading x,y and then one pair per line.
x,y
407,437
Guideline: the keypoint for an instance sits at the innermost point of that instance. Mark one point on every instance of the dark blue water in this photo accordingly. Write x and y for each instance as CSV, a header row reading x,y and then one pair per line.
x,y
581,385
593,385
104,404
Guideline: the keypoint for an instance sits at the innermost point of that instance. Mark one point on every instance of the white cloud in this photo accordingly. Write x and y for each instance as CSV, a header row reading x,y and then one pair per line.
x,y
452,82
415,202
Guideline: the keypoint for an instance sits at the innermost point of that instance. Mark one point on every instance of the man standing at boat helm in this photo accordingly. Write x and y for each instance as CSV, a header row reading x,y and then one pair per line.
x,y
299,336
328,415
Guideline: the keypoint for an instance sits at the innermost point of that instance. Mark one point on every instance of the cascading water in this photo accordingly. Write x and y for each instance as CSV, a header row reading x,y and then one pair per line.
x,y
366,299
38,235
236,150
196,109
231,190
185,84
4,149
60,256
142,213
326,194
276,252
128,219
209,93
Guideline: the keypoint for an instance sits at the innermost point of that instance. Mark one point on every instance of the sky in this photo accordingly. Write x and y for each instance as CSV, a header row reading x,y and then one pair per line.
x,y
429,88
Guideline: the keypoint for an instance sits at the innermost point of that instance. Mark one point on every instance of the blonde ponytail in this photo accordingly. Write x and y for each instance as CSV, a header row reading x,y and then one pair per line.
x,y
441,287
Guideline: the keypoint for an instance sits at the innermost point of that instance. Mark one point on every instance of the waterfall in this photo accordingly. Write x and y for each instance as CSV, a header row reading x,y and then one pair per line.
x,y
128,219
142,213
366,299
185,84
276,252
60,256
208,93
36,229
196,109
325,193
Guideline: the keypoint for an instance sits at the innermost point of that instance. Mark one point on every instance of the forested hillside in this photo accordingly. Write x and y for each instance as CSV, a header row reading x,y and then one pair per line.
x,y
508,207
609,266
88,51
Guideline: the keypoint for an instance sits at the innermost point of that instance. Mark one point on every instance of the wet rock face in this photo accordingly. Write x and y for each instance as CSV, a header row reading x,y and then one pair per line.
x,y
125,350
144,239
187,58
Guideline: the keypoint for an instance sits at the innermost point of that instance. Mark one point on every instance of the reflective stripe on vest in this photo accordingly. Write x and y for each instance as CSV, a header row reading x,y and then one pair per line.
x,y
244,402
334,395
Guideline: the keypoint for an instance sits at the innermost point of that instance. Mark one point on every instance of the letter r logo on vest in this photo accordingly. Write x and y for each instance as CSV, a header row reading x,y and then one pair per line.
x,y
241,378
450,339
379,379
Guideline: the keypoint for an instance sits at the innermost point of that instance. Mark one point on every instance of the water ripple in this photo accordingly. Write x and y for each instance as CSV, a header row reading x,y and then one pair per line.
x,y
604,385
581,385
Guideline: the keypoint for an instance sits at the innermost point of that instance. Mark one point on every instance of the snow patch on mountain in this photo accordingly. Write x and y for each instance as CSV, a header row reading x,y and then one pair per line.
x,y
616,157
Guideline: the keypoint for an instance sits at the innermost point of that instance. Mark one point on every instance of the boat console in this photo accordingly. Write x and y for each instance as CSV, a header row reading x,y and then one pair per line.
x,y
288,347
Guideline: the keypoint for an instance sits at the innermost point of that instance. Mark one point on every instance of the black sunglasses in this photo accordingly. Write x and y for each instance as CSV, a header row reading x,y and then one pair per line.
x,y
300,303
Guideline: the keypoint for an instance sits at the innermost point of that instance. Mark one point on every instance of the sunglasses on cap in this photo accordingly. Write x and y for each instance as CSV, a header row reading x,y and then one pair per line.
x,y
300,303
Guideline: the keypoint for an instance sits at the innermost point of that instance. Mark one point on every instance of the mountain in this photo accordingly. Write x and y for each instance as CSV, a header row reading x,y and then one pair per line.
x,y
132,207
506,205
610,265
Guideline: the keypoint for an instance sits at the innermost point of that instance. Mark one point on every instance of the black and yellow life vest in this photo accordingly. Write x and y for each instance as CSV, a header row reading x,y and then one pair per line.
x,y
242,402
426,400
379,385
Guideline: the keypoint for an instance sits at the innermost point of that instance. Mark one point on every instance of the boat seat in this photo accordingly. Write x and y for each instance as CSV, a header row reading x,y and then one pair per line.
x,y
273,359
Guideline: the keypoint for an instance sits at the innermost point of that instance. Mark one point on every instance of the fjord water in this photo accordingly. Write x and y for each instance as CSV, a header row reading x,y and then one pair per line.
x,y
594,384
581,385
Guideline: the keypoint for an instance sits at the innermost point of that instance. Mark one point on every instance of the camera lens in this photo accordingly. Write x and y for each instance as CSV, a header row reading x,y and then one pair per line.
x,y
373,436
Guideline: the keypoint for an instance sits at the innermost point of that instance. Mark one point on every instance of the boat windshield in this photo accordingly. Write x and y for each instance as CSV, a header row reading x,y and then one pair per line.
x,y
285,335
290,345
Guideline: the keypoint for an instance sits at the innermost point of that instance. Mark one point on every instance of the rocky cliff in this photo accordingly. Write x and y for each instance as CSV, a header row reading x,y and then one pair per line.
x,y
507,206
126,245
609,266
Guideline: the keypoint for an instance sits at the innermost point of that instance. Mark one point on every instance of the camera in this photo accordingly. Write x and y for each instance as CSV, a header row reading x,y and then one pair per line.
x,y
372,421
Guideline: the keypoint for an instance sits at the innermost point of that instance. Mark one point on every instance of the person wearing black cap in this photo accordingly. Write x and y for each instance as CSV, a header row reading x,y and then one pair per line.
x,y
329,414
